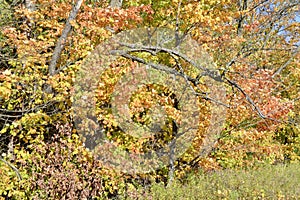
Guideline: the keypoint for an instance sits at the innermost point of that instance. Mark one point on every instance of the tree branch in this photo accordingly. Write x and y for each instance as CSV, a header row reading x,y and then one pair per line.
x,y
207,72
12,167
287,63
136,48
62,40
248,98
174,72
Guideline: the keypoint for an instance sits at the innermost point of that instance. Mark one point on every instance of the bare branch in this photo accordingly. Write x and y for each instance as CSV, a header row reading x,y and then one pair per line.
x,y
248,98
196,83
154,65
62,40
13,168
207,72
287,63
6,114
174,72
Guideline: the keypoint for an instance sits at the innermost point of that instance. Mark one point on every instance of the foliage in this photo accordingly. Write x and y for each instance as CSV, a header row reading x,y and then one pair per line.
x,y
255,45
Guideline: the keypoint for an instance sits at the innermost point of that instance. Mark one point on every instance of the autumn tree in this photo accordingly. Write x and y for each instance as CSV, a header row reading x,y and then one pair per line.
x,y
255,45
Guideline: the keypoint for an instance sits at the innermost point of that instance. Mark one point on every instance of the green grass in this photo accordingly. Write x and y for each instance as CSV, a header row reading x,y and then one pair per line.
x,y
268,182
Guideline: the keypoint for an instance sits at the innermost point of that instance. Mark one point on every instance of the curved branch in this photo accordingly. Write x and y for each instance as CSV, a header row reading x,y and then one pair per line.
x,y
207,72
13,168
166,69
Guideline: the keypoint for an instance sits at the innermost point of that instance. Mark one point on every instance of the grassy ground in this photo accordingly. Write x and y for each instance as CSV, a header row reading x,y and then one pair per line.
x,y
268,182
